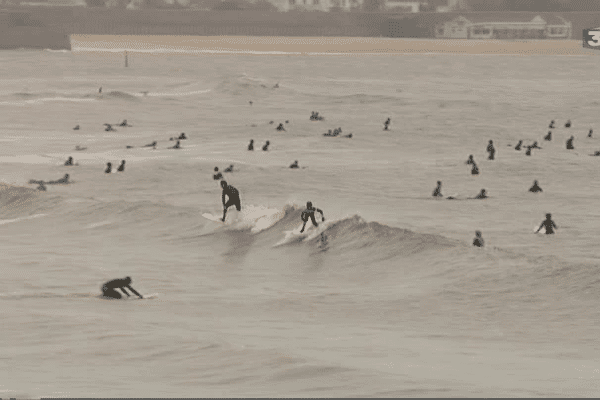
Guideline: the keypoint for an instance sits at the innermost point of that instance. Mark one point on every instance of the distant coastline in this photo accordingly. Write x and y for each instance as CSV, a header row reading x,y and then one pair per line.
x,y
43,27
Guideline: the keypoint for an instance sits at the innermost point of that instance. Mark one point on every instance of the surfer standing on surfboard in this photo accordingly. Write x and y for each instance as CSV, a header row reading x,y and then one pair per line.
x,y
548,224
310,213
233,200
108,289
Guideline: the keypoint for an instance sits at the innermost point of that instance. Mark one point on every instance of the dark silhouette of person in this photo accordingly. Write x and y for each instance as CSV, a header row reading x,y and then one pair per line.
x,y
386,124
491,150
295,164
109,288
310,213
570,143
122,166
153,144
478,241
330,133
475,170
266,146
108,169
280,127
548,137
568,124
271,122
76,128
63,180
233,198
548,224
590,133
535,145
109,128
551,126
596,153
69,161
535,188
100,90
182,136
41,187
217,174
229,169
251,145
528,152
518,146
470,160
437,192
124,123
481,195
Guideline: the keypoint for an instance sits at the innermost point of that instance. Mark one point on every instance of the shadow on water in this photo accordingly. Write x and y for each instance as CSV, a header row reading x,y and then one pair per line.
x,y
239,245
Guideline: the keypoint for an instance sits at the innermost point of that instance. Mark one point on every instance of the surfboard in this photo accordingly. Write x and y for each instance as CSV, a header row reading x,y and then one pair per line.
x,y
212,217
543,230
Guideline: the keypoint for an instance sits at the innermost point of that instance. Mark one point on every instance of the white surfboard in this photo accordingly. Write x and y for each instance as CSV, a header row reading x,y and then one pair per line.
x,y
543,230
212,217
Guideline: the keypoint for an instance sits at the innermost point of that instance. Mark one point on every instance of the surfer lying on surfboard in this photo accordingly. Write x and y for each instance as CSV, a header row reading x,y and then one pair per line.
x,y
108,289
310,213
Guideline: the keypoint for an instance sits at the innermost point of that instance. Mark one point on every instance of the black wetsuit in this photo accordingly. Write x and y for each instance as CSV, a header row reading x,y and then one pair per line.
x,y
234,197
310,213
549,225
217,176
478,241
535,188
108,289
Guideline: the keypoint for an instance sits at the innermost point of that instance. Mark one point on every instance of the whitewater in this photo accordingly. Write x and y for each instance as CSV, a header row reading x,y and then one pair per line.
x,y
386,298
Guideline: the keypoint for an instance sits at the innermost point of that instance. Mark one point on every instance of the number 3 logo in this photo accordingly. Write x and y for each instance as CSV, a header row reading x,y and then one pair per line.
x,y
595,38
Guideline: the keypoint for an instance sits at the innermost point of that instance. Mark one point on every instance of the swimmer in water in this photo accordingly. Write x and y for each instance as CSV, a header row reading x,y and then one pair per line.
x,y
124,123
266,146
470,160
100,90
437,192
570,143
229,169
122,166
475,170
310,213
491,150
568,124
251,145
217,174
548,224
590,133
551,126
295,164
69,162
108,289
518,146
41,187
481,195
153,144
535,145
182,136
177,145
386,124
108,169
280,127
60,181
528,152
535,188
548,137
233,198
478,241
109,128
76,128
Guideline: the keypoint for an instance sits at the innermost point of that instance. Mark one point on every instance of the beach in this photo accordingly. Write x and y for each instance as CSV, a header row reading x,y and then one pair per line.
x,y
387,298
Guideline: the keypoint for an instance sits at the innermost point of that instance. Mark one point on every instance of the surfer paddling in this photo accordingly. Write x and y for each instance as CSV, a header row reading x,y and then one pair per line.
x,y
310,213
108,289
233,198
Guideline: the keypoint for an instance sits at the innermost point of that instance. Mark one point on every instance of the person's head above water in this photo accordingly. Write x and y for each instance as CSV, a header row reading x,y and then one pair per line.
x,y
128,280
223,184
439,183
548,216
216,169
477,233
308,204
66,176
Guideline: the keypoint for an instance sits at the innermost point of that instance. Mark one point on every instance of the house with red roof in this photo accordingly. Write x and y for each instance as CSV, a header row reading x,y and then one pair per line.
x,y
505,26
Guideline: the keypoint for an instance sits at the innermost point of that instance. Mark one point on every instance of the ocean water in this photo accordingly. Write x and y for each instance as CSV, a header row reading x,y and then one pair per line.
x,y
387,298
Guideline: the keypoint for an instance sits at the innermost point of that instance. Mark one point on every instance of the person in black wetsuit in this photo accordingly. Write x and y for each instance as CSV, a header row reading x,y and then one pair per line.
x,y
69,162
475,170
251,145
551,126
535,145
108,289
590,133
386,124
570,143
481,195
535,188
548,137
233,198
108,169
310,213
518,146
229,169
76,128
217,174
266,146
478,241
182,136
177,145
437,192
548,224
470,160
491,150
528,152
280,127
153,144
568,124
295,164
122,166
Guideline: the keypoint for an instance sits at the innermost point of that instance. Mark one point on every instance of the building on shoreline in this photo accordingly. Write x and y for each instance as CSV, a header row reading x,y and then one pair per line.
x,y
510,26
